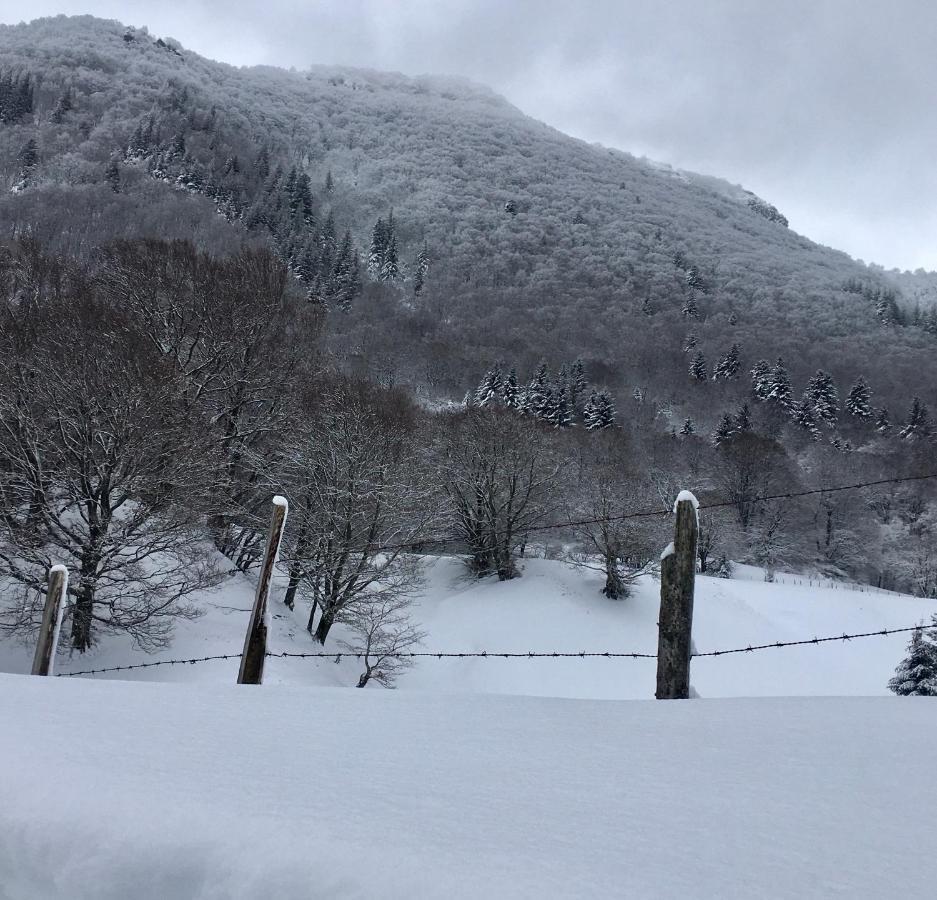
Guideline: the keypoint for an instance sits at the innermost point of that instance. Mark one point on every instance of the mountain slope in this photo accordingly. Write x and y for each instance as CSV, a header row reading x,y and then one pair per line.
x,y
540,246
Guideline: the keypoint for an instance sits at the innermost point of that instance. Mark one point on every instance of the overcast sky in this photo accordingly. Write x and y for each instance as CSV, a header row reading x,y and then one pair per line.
x,y
826,108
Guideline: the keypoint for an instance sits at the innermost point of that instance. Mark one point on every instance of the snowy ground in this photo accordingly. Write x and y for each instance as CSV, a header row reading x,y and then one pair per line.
x,y
112,790
554,607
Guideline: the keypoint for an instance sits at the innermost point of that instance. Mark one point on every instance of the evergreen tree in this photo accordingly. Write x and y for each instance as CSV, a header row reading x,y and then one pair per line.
x,y
822,395
112,175
329,183
918,424
698,367
510,394
599,411
491,388
690,309
728,367
761,379
378,249
558,412
743,419
882,421
420,271
858,401
577,382
690,342
803,415
778,387
724,429
688,427
389,268
535,398
916,675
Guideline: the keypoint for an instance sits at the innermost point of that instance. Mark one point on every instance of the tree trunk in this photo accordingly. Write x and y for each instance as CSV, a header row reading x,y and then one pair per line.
x,y
81,617
325,625
365,678
290,598
312,616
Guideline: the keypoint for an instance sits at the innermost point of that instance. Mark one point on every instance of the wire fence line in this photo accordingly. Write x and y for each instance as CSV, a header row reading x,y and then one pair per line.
x,y
436,541
338,655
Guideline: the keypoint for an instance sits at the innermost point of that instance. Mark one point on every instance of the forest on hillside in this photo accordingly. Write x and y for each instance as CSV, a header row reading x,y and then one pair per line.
x,y
428,320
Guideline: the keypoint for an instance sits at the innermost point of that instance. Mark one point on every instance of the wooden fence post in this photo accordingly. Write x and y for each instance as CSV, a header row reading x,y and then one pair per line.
x,y
677,582
255,641
44,660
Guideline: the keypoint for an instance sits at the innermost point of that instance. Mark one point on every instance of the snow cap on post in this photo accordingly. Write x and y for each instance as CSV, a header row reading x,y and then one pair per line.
x,y
689,497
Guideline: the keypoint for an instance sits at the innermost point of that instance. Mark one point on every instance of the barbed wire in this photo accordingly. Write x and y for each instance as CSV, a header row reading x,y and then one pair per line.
x,y
149,665
338,655
420,541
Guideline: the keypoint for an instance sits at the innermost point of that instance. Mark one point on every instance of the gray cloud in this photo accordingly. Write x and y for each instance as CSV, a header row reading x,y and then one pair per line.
x,y
822,106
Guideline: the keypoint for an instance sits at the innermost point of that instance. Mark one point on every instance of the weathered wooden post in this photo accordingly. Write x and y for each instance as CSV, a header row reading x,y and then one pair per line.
x,y
255,641
677,581
44,660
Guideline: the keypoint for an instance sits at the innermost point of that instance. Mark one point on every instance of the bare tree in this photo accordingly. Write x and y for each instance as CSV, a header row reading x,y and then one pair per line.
x,y
360,499
99,470
498,473
219,323
382,630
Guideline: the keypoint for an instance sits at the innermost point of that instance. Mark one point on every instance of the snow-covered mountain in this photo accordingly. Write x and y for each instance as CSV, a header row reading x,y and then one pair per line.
x,y
539,245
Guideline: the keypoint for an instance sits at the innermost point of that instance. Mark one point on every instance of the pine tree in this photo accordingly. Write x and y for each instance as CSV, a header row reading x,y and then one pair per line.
x,y
535,397
761,379
728,367
822,395
420,271
743,418
803,415
882,421
112,175
698,367
916,675
329,183
577,382
858,402
690,342
918,424
510,394
778,386
389,268
690,309
724,430
378,249
599,411
560,413
688,427
491,388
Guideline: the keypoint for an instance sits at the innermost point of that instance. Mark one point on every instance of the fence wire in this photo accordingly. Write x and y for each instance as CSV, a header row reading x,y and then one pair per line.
x,y
338,655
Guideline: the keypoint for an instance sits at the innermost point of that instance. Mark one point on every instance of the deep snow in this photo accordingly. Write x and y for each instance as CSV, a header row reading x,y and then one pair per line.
x,y
111,790
555,607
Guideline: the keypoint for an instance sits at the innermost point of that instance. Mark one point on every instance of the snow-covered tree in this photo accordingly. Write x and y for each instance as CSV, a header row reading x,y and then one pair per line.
x,y
510,393
823,398
728,367
599,411
802,412
778,386
761,379
698,367
858,402
420,270
918,425
724,429
690,342
688,427
491,388
743,418
916,675
882,421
